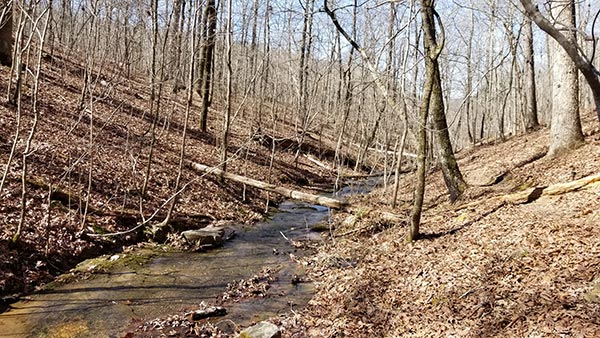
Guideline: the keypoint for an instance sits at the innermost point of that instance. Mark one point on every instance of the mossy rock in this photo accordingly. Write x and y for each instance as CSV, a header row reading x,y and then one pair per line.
x,y
101,264
322,227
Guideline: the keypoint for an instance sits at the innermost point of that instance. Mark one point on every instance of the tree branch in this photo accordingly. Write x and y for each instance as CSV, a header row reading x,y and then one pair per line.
x,y
571,48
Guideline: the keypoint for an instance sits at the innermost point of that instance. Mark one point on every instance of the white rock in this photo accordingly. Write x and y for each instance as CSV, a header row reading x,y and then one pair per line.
x,y
261,330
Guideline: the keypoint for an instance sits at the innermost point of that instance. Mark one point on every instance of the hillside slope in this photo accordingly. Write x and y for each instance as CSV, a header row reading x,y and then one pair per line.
x,y
491,270
92,154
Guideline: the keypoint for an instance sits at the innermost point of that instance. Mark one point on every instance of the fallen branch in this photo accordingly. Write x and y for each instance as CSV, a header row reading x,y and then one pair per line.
x,y
293,194
561,188
391,152
494,173
318,163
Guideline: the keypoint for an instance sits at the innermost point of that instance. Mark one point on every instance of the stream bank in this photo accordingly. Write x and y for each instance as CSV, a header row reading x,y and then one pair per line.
x,y
107,302
150,283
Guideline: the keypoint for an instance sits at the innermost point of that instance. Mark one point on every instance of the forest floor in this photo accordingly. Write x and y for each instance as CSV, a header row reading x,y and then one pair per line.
x,y
80,184
491,269
483,268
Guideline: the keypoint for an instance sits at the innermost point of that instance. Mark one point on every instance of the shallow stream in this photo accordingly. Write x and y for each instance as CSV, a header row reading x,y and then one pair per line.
x,y
106,304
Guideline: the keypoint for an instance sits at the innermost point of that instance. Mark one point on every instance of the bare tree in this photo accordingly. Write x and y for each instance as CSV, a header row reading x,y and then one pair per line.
x,y
209,25
302,118
188,108
39,28
566,131
229,94
175,62
452,176
564,12
531,114
429,102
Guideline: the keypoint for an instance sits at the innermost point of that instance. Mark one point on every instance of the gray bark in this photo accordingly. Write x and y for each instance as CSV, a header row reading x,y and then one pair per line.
x,y
531,114
565,129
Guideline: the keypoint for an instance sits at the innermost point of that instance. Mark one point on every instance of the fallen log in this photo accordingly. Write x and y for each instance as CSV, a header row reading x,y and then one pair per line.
x,y
532,194
293,194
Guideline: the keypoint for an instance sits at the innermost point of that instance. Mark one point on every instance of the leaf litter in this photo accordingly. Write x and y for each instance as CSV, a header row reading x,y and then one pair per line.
x,y
524,270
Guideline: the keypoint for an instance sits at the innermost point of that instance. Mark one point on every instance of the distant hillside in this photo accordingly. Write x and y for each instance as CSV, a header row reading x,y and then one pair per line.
x,y
87,166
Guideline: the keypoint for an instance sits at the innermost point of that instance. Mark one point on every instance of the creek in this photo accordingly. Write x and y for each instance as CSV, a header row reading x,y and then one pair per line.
x,y
107,302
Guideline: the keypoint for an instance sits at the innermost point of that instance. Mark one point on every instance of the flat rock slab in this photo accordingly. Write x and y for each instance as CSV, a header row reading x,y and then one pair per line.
x,y
209,236
213,311
261,330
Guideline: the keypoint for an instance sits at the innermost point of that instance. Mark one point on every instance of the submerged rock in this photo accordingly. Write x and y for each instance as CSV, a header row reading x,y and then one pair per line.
x,y
321,227
261,330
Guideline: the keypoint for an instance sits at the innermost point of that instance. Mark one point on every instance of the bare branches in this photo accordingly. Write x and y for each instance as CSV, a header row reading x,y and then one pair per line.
x,y
571,48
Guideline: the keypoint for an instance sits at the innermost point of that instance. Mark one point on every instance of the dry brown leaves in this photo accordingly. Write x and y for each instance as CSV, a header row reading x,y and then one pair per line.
x,y
495,270
64,158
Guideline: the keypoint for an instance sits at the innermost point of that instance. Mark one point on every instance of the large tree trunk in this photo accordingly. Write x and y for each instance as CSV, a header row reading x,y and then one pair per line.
x,y
6,32
566,131
567,41
452,176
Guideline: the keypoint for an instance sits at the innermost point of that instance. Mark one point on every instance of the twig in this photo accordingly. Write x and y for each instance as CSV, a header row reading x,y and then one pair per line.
x,y
287,239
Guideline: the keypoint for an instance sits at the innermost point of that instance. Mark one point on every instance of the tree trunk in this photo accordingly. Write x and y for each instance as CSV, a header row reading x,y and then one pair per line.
x,y
228,95
345,78
567,41
175,62
305,51
6,32
471,129
531,115
188,108
565,129
206,59
452,176
432,51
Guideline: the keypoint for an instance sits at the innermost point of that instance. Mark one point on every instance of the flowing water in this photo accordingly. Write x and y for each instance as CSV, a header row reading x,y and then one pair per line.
x,y
105,304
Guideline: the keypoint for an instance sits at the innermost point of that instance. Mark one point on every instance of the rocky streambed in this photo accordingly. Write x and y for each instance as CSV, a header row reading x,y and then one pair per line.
x,y
110,294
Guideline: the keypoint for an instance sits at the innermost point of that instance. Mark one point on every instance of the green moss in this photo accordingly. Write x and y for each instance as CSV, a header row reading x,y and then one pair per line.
x,y
103,264
361,213
523,186
320,227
